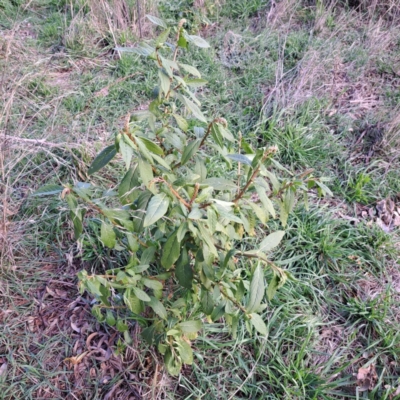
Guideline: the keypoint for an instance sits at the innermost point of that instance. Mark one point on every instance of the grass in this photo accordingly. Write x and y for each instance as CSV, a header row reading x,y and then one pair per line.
x,y
319,81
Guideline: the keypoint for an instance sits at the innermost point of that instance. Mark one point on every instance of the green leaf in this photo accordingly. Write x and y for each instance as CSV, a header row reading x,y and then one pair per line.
x,y
126,151
162,38
143,50
267,203
256,289
165,82
195,82
152,283
158,307
107,235
185,351
183,270
121,326
148,334
193,108
78,227
140,294
240,158
207,238
48,190
104,157
216,135
190,69
212,219
171,251
139,214
146,172
189,151
220,183
156,209
190,326
151,146
172,364
259,324
129,182
261,214
182,42
182,123
133,302
207,302
271,241
110,318
197,41
156,21
272,287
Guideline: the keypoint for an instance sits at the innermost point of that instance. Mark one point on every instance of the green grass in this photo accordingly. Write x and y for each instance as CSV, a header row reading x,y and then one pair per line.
x,y
276,83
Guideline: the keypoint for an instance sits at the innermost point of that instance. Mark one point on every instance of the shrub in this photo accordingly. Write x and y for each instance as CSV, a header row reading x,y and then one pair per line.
x,y
190,194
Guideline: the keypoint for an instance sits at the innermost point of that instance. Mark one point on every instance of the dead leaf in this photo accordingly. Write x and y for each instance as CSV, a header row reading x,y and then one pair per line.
x,y
77,359
367,378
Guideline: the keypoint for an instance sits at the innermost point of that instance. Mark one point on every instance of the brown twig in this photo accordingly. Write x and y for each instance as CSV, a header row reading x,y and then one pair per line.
x,y
195,193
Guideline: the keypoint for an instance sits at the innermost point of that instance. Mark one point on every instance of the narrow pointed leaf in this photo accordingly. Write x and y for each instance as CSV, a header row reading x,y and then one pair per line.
x,y
271,241
171,251
104,157
259,324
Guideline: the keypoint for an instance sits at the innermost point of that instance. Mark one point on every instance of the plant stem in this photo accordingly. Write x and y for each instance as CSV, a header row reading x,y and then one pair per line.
x,y
267,153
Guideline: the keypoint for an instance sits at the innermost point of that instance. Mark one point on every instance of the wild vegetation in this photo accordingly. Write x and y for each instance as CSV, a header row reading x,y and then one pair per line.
x,y
315,84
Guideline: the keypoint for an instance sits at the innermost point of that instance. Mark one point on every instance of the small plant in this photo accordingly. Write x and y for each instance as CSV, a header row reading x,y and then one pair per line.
x,y
190,194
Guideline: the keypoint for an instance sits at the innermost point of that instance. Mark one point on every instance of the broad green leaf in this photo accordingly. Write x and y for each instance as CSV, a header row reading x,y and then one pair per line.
x,y
197,41
140,294
190,69
183,270
156,209
182,42
48,190
148,334
189,151
196,82
190,326
121,326
172,364
274,180
143,49
259,324
145,171
185,351
169,65
207,238
152,283
156,21
261,214
151,146
256,292
272,287
171,251
195,213
289,200
216,135
283,213
126,152
240,158
139,214
225,133
182,123
107,235
207,302
267,203
220,183
133,302
104,157
110,318
193,108
165,82
162,38
158,307
128,183
271,241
